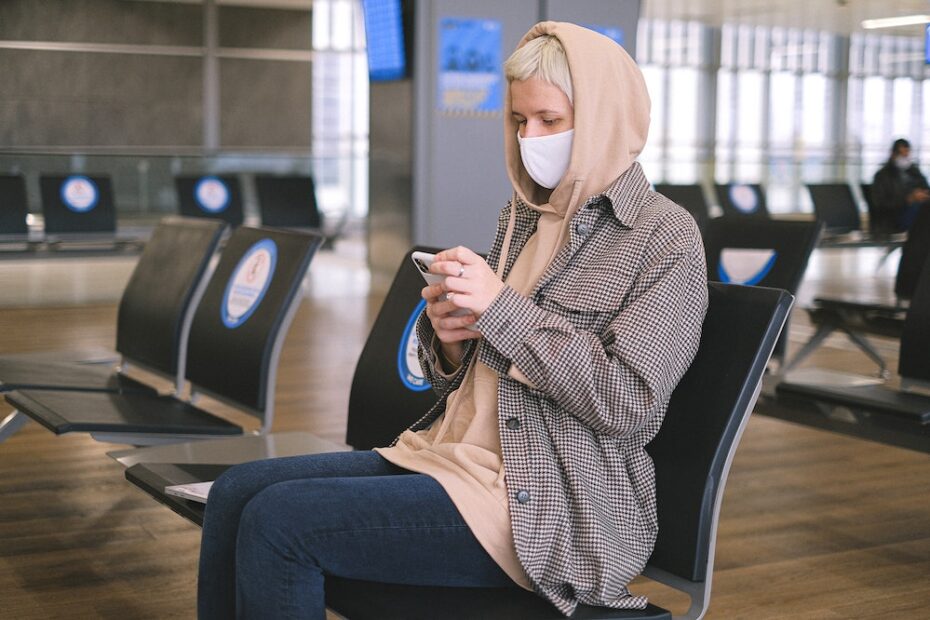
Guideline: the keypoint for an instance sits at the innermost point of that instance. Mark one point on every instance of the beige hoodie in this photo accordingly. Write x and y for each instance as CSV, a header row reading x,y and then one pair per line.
x,y
461,450
611,121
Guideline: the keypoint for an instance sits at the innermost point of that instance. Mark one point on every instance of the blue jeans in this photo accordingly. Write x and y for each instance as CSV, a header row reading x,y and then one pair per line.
x,y
274,529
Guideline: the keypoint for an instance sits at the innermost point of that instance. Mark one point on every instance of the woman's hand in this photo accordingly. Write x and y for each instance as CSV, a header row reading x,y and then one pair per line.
x,y
469,284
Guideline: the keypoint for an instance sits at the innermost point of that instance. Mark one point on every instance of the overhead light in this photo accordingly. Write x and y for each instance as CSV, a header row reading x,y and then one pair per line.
x,y
895,22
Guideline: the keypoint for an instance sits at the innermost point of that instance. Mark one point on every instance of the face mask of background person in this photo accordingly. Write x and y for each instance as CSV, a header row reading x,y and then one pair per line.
x,y
545,118
902,162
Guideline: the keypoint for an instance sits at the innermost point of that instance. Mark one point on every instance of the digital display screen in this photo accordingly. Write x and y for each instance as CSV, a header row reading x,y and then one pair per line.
x,y
384,31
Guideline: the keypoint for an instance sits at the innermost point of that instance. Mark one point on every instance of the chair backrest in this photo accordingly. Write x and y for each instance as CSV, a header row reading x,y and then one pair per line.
x,y
691,197
158,304
835,206
866,189
240,324
914,354
287,201
388,391
759,252
706,415
881,221
913,255
742,199
214,196
77,203
13,205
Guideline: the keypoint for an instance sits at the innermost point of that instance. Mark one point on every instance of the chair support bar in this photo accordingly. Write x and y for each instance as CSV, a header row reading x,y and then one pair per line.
x,y
11,424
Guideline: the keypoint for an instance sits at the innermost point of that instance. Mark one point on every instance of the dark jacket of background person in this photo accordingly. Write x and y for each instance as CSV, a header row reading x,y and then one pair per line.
x,y
890,190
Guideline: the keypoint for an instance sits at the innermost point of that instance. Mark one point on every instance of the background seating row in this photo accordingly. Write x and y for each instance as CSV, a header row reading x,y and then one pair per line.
x,y
81,205
219,330
835,204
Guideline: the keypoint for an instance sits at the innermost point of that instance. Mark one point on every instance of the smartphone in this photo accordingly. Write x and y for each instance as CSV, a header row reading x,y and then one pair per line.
x,y
423,260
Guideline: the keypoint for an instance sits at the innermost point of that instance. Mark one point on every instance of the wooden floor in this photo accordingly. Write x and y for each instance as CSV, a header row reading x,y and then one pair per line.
x,y
814,525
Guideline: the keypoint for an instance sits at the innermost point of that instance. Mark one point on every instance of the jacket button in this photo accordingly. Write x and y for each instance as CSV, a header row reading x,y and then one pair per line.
x,y
513,423
523,496
583,229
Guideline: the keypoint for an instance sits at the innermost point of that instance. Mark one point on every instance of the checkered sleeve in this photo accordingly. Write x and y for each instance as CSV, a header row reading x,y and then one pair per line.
x,y
616,380
428,353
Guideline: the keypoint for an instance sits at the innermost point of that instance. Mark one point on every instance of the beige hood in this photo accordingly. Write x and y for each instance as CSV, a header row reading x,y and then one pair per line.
x,y
611,121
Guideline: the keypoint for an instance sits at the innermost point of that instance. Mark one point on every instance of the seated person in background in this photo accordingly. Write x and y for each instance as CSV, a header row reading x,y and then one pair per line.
x,y
899,191
531,469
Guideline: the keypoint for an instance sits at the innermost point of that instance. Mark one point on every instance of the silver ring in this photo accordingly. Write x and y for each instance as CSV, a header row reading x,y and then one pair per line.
x,y
461,270
449,296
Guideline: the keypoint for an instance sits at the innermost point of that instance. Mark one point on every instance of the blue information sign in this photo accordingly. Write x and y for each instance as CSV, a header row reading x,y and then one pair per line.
x,y
470,78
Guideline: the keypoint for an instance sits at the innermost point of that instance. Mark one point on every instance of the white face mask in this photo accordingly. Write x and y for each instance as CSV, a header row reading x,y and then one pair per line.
x,y
546,157
903,163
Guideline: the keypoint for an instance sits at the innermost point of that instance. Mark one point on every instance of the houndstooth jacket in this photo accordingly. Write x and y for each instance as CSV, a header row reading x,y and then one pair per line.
x,y
610,328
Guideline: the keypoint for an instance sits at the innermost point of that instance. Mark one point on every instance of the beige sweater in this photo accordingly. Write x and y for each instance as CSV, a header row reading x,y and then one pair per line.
x,y
462,452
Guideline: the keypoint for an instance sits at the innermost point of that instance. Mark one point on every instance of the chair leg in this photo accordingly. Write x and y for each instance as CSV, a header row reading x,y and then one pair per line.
x,y
869,350
823,330
888,252
11,424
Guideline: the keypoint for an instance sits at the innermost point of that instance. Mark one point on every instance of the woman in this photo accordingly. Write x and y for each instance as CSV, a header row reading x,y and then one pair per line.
x,y
531,469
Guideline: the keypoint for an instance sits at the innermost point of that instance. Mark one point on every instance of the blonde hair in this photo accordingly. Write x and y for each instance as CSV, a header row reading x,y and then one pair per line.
x,y
542,58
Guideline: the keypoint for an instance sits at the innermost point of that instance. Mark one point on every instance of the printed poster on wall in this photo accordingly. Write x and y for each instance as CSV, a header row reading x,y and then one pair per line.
x,y
470,75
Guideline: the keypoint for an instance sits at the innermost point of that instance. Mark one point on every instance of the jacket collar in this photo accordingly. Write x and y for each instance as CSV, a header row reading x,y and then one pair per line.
x,y
627,193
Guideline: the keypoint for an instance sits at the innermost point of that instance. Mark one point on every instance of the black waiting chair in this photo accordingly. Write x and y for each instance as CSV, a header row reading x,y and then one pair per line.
x,y
288,201
692,454
760,252
882,222
387,371
212,196
153,318
153,322
742,199
864,399
13,208
858,319
388,394
835,206
690,197
233,350
77,207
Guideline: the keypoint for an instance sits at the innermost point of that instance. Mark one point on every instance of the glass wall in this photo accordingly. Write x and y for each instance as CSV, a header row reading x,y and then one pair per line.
x,y
886,100
340,106
778,106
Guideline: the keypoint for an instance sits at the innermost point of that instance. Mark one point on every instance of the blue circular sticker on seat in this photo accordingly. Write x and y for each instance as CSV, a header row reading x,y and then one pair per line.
x,y
79,193
249,283
744,198
746,266
408,363
212,194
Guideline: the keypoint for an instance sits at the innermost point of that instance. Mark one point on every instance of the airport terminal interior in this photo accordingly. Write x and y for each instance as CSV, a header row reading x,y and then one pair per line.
x,y
207,211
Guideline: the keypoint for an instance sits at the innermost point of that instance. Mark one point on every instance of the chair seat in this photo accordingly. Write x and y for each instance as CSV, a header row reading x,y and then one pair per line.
x,y
859,305
97,412
874,398
360,600
21,374
873,318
